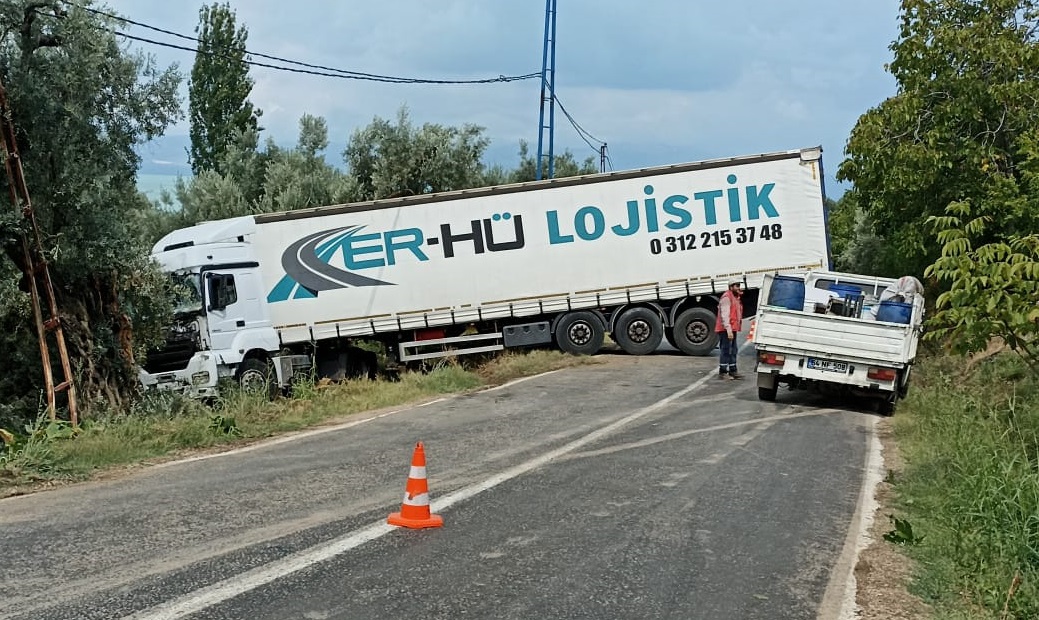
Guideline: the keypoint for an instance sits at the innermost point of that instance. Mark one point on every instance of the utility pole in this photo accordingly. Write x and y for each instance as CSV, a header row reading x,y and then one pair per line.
x,y
602,158
548,83
37,273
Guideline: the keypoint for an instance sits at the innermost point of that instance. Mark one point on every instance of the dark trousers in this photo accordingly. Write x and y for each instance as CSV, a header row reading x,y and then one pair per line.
x,y
727,362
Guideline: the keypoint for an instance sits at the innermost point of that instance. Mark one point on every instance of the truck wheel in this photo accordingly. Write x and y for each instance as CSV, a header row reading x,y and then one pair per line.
x,y
256,375
903,387
669,335
694,332
768,394
638,331
579,333
886,407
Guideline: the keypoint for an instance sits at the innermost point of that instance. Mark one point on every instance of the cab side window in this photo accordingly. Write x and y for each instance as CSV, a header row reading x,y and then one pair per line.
x,y
222,291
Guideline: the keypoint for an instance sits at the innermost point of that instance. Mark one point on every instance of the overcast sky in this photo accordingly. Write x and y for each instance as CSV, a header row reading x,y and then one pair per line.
x,y
661,81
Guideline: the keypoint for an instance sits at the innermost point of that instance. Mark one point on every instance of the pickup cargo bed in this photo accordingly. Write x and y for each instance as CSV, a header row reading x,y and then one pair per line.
x,y
835,336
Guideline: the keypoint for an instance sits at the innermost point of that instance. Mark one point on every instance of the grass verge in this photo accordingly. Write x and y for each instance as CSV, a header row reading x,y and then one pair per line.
x,y
165,426
968,499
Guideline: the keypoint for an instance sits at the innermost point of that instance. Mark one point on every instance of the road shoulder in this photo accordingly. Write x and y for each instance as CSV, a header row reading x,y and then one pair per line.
x,y
883,573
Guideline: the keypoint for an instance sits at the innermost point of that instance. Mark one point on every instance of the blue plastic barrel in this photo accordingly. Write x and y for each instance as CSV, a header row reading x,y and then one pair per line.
x,y
787,292
846,290
895,312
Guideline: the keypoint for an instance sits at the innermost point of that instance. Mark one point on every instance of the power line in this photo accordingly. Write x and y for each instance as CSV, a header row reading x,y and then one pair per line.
x,y
310,69
389,80
584,135
575,124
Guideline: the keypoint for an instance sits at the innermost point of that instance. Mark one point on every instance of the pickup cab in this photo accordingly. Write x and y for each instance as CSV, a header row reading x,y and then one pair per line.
x,y
840,333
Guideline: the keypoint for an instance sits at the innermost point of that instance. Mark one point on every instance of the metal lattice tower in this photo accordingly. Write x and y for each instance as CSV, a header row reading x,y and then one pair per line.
x,y
548,91
37,273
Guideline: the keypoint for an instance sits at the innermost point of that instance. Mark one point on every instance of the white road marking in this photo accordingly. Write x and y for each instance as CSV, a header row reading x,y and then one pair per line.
x,y
329,429
338,427
432,402
520,380
709,429
221,591
839,599
285,439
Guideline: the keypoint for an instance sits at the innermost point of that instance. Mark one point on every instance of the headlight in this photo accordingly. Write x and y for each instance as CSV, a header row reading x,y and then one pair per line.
x,y
200,378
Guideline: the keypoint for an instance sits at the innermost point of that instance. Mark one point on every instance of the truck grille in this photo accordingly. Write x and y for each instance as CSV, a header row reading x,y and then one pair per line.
x,y
181,344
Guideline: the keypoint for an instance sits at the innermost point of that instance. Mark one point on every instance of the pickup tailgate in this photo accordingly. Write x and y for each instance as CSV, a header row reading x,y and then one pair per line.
x,y
832,336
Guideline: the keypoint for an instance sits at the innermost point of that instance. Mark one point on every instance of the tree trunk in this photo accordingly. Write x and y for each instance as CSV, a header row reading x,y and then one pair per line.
x,y
99,341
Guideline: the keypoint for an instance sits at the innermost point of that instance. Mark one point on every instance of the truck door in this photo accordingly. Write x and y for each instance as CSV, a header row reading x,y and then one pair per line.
x,y
226,311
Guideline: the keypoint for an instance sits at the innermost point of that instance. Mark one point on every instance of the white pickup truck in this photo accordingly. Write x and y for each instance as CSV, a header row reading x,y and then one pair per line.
x,y
838,333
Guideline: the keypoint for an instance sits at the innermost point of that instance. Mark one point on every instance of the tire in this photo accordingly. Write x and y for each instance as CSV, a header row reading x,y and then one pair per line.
x,y
256,375
638,331
903,387
669,335
363,364
694,332
768,394
886,407
579,333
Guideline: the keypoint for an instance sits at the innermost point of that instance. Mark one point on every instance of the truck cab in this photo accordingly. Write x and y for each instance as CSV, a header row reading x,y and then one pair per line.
x,y
221,327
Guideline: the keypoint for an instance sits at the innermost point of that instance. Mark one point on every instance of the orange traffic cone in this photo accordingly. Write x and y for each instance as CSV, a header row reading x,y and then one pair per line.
x,y
414,512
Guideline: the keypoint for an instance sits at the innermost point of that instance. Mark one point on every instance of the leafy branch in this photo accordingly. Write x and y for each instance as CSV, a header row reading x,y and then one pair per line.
x,y
993,288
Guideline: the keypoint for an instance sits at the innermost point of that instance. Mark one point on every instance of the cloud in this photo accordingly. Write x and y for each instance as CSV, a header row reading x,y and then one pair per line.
x,y
656,79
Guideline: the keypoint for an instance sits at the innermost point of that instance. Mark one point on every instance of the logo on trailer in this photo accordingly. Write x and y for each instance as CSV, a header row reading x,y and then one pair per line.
x,y
308,268
330,259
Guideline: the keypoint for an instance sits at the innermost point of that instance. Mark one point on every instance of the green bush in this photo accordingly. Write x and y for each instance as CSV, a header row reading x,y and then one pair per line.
x,y
971,487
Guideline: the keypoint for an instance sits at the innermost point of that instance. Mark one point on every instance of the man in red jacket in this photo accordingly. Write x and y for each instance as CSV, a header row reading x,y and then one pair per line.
x,y
730,318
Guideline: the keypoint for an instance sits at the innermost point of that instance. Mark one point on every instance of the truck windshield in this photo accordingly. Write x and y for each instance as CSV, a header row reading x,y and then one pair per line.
x,y
187,293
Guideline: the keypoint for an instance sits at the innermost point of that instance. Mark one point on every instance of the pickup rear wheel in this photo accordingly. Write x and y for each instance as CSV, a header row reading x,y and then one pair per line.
x,y
903,384
579,333
638,331
768,394
694,332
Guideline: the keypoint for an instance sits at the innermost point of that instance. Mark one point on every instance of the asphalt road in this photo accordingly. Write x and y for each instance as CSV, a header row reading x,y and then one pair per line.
x,y
639,488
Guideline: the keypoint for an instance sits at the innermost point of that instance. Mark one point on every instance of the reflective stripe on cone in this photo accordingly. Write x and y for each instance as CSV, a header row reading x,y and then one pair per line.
x,y
414,510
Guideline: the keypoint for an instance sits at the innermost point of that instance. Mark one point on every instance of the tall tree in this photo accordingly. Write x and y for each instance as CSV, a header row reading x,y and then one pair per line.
x,y
219,88
262,181
399,159
958,128
81,104
565,165
301,178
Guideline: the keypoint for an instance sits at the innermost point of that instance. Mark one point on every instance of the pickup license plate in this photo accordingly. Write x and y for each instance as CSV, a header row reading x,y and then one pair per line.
x,y
828,365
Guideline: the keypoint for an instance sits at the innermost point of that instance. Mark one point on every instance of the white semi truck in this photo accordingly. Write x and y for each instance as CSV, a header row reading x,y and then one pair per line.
x,y
641,255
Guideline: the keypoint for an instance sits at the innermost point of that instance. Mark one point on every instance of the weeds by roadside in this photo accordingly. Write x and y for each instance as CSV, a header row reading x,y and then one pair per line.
x,y
161,425
971,487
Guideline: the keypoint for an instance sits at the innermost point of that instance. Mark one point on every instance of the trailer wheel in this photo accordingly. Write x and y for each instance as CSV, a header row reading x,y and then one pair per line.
x,y
638,331
669,335
256,375
579,333
694,332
